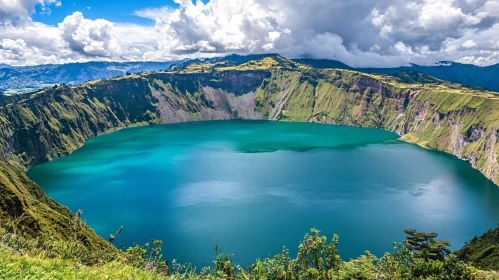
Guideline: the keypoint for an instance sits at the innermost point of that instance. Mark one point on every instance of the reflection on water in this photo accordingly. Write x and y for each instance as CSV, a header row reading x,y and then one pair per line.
x,y
256,186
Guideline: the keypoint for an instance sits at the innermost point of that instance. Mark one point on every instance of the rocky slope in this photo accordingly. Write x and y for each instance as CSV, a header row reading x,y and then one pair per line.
x,y
423,110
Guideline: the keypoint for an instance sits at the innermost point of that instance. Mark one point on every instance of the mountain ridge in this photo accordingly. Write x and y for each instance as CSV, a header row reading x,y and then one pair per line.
x,y
39,76
466,74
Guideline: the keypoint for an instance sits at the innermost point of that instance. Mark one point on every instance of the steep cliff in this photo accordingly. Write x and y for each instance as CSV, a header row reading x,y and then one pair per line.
x,y
56,121
425,111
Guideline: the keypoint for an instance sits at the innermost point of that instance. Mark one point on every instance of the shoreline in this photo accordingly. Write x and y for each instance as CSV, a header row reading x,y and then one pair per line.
x,y
401,138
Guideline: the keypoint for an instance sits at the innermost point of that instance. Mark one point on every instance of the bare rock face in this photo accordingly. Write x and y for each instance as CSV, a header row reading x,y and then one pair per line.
x,y
218,97
229,106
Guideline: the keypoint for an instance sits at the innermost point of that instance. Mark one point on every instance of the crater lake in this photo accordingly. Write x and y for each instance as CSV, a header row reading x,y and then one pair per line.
x,y
256,186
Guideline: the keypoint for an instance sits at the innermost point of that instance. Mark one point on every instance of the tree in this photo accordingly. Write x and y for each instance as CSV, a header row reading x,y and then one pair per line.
x,y
316,258
425,246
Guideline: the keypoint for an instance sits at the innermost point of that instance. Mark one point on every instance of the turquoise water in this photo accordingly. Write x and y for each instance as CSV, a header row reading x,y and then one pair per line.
x,y
256,186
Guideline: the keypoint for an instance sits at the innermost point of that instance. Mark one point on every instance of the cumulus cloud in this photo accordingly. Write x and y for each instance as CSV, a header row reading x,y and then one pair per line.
x,y
89,37
219,26
358,32
25,42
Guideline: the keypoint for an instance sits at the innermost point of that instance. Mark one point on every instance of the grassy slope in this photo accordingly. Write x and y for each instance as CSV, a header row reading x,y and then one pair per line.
x,y
26,267
25,209
482,251
56,121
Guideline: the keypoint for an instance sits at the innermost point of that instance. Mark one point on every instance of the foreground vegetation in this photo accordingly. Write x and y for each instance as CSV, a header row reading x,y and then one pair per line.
x,y
421,256
482,251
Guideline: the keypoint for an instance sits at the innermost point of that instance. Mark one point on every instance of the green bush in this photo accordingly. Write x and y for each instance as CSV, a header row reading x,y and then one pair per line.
x,y
316,259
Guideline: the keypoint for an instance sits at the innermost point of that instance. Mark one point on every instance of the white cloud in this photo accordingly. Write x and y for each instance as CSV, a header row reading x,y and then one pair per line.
x,y
18,11
18,50
469,44
358,32
162,13
402,48
238,25
440,15
89,37
273,35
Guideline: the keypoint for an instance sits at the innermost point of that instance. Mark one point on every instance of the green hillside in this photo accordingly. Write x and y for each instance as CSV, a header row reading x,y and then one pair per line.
x,y
467,74
483,250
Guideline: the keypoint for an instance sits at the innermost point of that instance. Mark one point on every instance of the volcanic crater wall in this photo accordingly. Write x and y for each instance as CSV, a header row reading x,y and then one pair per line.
x,y
54,122
465,125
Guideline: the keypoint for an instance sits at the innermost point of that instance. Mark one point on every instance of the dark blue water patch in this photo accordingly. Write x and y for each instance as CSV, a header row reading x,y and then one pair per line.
x,y
256,186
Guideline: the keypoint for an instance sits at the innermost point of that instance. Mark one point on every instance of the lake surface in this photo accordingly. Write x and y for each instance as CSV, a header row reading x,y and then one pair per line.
x,y
256,186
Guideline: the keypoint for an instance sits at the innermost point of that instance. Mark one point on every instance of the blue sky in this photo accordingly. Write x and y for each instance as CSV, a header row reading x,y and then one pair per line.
x,y
112,10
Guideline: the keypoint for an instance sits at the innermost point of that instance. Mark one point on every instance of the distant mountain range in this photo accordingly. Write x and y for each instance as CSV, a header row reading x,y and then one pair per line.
x,y
467,74
22,79
19,77
29,78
